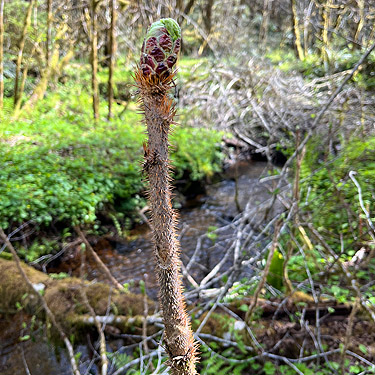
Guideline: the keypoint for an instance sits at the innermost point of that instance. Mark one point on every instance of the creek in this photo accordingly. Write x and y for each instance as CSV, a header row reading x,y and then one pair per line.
x,y
132,261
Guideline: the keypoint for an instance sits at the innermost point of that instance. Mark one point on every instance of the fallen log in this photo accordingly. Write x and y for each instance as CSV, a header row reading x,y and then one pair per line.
x,y
64,299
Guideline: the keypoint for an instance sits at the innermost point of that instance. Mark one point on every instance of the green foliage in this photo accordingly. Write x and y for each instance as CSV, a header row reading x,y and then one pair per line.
x,y
269,368
58,166
216,364
275,275
38,248
211,233
333,200
58,276
197,151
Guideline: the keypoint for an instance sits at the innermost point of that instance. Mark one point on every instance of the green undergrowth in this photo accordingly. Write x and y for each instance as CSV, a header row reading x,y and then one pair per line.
x,y
331,197
216,360
60,166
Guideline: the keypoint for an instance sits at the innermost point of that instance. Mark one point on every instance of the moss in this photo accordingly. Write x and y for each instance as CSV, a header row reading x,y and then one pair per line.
x,y
13,290
64,298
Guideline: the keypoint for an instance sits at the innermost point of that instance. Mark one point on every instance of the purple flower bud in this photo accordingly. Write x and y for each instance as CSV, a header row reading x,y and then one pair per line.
x,y
157,54
148,60
171,60
146,70
151,44
162,67
177,46
165,42
160,48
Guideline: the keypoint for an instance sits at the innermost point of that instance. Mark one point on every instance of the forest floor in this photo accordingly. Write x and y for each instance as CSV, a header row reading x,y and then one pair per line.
x,y
73,171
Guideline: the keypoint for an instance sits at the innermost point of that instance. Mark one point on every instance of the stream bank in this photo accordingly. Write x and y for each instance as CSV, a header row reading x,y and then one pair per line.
x,y
130,261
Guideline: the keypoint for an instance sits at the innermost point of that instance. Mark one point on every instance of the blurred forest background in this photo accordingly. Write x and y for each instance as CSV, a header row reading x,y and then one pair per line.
x,y
274,171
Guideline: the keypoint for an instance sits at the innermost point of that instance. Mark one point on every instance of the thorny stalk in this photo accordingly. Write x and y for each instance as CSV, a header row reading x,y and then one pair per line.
x,y
154,79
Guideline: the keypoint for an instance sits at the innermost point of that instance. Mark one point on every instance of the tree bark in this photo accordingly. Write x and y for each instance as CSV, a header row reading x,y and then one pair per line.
x,y
306,26
361,23
49,30
112,57
326,24
1,53
21,46
94,59
263,32
296,30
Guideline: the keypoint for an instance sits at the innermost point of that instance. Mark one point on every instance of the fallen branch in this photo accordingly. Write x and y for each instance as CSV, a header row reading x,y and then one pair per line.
x,y
98,261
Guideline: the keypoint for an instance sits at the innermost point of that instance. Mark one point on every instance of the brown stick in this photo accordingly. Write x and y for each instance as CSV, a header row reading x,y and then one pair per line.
x,y
98,261
178,335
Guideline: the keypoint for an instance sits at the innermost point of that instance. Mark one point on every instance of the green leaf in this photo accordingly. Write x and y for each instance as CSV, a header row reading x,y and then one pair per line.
x,y
244,307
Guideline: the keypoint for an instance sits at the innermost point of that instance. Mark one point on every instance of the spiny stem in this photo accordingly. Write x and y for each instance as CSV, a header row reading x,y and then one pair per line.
x,y
154,78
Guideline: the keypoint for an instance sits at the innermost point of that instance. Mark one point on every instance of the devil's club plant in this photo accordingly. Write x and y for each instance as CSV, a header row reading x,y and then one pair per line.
x,y
160,48
154,78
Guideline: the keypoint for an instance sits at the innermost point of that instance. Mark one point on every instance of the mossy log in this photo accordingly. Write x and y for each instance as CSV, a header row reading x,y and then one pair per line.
x,y
64,299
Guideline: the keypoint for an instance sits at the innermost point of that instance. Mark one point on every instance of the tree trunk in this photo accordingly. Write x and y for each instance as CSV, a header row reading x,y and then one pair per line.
x,y
21,46
263,32
1,53
94,59
186,11
296,30
207,16
53,69
112,56
155,81
306,26
49,30
326,24
361,23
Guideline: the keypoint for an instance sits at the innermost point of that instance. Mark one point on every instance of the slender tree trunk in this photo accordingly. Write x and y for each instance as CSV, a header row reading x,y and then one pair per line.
x,y
1,53
296,30
23,81
306,28
21,47
207,16
56,67
155,81
361,23
94,59
326,24
263,33
112,57
49,30
53,69
186,11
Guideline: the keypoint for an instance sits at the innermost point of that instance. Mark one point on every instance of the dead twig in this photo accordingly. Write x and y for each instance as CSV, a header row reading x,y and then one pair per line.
x,y
98,261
